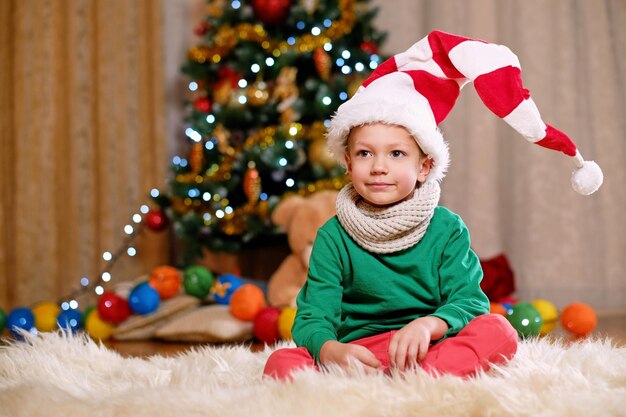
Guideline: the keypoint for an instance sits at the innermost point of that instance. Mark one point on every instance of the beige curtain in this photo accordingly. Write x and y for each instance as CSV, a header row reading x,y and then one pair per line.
x,y
514,196
81,141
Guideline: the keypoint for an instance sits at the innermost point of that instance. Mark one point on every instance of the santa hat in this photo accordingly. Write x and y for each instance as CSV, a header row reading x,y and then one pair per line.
x,y
417,89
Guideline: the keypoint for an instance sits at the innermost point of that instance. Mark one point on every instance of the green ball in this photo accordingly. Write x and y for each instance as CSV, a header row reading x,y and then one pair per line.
x,y
3,319
198,281
525,318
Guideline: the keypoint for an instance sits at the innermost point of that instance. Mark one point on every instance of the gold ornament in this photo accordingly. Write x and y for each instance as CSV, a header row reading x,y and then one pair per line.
x,y
258,94
322,63
223,140
196,157
286,92
319,154
252,183
222,92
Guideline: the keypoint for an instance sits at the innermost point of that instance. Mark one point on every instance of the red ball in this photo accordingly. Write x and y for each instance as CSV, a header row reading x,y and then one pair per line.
x,y
156,220
369,47
579,318
201,28
202,104
112,308
265,327
271,11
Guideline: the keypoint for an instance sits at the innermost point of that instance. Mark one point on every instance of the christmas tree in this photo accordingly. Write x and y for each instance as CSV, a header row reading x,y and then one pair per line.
x,y
263,85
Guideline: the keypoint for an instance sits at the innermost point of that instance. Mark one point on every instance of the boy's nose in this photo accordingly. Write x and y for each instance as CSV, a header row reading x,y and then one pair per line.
x,y
379,166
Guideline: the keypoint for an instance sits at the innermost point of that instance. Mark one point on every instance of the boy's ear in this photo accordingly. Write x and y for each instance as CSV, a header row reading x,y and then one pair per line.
x,y
346,158
427,165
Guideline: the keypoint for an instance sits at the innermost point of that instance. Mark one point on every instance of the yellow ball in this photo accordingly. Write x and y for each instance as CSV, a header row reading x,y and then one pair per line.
x,y
46,316
548,313
285,322
97,328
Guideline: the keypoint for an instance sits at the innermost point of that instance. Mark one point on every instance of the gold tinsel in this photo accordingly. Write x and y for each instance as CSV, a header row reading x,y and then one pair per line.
x,y
196,157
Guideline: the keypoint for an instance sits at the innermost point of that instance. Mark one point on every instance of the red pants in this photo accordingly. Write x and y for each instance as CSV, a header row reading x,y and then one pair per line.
x,y
489,338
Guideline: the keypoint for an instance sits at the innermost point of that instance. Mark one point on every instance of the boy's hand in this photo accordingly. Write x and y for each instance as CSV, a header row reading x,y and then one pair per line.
x,y
342,353
410,344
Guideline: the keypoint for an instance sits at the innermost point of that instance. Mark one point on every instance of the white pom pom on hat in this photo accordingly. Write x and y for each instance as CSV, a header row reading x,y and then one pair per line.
x,y
417,89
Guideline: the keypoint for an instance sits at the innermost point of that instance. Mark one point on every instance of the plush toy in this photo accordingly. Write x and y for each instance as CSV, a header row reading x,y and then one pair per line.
x,y
300,218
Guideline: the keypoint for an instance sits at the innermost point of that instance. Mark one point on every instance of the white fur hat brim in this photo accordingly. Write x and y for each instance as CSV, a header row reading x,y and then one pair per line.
x,y
391,100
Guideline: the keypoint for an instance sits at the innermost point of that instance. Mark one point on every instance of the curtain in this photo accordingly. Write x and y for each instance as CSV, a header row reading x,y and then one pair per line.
x,y
82,141
515,197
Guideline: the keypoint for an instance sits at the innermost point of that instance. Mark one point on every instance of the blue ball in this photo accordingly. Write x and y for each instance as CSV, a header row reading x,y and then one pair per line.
x,y
20,318
144,299
224,288
70,320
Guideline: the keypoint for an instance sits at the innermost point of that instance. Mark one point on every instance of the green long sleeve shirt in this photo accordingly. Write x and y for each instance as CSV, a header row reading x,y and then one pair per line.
x,y
351,293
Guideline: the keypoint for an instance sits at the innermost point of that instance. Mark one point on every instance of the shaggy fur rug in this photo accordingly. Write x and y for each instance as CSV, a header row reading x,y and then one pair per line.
x,y
59,375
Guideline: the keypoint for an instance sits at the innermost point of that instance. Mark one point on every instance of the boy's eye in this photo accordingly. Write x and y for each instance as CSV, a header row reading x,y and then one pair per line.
x,y
397,154
362,153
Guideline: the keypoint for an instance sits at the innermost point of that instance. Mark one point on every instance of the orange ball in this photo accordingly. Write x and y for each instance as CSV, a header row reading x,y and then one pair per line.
x,y
497,308
246,302
579,318
166,280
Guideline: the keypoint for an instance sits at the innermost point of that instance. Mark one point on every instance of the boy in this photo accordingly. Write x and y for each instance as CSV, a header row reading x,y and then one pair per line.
x,y
392,280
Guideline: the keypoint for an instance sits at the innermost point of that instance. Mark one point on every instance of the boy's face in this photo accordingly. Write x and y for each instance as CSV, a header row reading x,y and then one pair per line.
x,y
385,163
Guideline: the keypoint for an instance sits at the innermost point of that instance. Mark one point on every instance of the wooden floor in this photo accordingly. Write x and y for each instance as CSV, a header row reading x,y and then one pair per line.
x,y
613,326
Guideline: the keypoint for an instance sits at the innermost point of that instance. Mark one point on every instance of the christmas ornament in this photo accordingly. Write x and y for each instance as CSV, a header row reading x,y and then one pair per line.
x,y
369,47
46,316
201,28
156,220
196,157
549,315
20,318
285,322
258,94
525,319
71,320
497,308
319,154
322,63
224,288
252,183
271,12
198,281
579,319
98,328
112,308
246,302
310,5
166,280
222,92
265,327
202,104
215,8
223,141
144,299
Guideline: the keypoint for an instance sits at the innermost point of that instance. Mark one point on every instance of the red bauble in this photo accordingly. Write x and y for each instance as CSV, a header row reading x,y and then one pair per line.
x,y
369,47
201,28
265,327
271,11
202,104
156,220
112,308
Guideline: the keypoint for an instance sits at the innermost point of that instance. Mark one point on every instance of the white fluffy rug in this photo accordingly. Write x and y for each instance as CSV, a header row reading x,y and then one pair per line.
x,y
57,375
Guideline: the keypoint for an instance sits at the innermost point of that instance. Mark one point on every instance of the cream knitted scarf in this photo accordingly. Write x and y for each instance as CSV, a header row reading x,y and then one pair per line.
x,y
387,229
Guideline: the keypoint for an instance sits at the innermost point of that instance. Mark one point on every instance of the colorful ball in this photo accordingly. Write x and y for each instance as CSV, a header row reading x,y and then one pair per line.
x,y
20,318
285,322
156,220
98,328
579,319
144,299
3,319
70,319
525,319
198,281
246,302
265,327
497,308
112,308
549,315
224,288
166,280
46,314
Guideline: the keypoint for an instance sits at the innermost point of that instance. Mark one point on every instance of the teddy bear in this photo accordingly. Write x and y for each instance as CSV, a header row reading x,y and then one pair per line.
x,y
299,217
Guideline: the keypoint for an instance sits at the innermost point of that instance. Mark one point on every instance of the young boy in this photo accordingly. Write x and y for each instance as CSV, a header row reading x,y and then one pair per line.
x,y
392,280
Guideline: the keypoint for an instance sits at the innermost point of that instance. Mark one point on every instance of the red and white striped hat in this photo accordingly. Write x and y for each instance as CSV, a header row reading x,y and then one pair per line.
x,y
417,89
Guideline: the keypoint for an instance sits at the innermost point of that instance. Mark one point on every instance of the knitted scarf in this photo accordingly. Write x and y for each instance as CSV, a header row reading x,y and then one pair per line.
x,y
387,229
